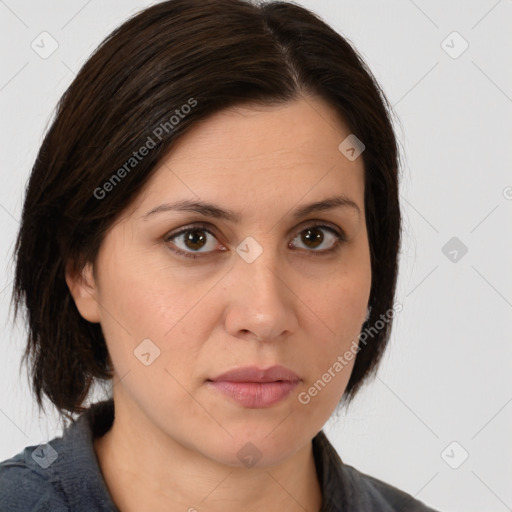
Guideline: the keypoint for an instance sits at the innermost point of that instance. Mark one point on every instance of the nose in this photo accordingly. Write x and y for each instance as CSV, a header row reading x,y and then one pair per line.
x,y
261,305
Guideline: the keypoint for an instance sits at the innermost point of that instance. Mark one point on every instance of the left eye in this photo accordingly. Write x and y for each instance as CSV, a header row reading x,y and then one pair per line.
x,y
315,236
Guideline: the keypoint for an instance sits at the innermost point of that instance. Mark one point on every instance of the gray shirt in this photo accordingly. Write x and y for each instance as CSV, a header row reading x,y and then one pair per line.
x,y
63,475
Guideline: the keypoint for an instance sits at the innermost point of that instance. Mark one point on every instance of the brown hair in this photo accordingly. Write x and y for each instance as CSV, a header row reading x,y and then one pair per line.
x,y
209,55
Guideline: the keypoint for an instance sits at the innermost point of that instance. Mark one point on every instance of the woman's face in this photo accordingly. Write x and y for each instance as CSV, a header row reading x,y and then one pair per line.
x,y
254,278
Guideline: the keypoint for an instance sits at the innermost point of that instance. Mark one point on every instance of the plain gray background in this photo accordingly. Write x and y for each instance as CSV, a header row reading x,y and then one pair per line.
x,y
443,392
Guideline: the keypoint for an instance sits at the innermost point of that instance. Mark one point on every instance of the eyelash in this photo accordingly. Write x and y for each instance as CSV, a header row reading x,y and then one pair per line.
x,y
340,239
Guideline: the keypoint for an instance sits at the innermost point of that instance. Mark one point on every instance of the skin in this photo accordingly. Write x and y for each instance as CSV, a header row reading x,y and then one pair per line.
x,y
174,441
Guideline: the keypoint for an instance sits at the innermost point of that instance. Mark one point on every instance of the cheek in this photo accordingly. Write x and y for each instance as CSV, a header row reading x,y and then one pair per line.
x,y
339,302
333,320
147,299
143,291
328,371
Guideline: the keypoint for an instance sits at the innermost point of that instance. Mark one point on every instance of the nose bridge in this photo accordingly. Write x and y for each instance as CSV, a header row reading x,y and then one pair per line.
x,y
260,300
262,278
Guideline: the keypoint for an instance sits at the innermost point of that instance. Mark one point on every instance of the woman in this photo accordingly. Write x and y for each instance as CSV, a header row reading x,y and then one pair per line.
x,y
212,223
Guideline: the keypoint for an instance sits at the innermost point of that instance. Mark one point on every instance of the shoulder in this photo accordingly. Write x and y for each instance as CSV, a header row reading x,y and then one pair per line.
x,y
28,483
383,496
62,474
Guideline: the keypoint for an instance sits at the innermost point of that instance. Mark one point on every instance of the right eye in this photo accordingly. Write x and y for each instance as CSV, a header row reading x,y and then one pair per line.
x,y
192,240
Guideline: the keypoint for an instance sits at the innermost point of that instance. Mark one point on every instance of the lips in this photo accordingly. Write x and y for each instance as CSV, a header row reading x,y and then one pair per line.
x,y
255,374
255,388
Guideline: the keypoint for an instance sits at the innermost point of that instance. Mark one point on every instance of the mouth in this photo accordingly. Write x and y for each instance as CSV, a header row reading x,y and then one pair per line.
x,y
253,387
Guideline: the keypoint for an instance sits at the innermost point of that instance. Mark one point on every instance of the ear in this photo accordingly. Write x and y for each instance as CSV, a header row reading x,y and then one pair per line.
x,y
84,291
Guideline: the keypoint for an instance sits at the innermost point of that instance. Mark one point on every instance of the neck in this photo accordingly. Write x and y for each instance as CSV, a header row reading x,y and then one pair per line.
x,y
145,469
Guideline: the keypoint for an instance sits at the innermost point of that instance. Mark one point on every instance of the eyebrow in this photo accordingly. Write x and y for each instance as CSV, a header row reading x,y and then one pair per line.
x,y
212,210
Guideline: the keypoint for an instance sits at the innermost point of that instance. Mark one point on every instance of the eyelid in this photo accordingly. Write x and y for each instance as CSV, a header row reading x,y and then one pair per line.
x,y
314,223
194,225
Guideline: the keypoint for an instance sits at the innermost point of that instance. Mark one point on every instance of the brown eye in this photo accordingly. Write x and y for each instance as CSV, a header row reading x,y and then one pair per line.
x,y
320,239
312,237
193,240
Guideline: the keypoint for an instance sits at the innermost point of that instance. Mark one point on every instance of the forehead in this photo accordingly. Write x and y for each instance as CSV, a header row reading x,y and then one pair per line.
x,y
303,127
261,156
